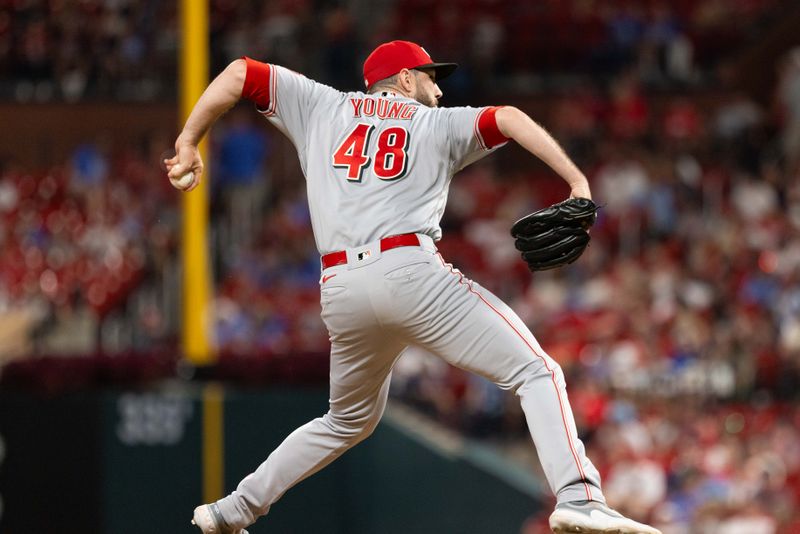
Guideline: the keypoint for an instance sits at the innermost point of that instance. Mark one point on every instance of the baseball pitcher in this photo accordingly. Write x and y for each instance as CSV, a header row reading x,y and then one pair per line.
x,y
378,165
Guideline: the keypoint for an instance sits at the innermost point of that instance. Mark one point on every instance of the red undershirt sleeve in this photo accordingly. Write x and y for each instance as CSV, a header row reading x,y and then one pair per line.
x,y
259,85
486,129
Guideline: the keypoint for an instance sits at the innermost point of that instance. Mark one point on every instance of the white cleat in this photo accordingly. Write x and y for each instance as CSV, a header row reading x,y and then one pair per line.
x,y
591,517
208,518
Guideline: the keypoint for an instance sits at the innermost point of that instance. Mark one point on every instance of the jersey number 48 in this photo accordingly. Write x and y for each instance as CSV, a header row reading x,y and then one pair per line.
x,y
391,157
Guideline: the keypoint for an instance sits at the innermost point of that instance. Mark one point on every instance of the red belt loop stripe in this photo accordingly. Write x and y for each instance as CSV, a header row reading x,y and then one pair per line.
x,y
387,243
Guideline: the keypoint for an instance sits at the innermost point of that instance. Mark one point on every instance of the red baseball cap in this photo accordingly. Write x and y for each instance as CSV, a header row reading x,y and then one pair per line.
x,y
392,57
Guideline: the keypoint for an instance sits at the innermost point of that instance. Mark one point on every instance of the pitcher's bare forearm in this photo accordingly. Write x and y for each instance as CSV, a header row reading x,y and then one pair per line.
x,y
221,94
219,97
518,126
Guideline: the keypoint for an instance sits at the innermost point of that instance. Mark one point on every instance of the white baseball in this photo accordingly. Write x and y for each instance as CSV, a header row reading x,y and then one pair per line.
x,y
184,181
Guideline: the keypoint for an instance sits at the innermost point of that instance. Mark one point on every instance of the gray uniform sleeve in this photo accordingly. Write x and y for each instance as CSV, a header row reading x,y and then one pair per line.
x,y
472,134
286,98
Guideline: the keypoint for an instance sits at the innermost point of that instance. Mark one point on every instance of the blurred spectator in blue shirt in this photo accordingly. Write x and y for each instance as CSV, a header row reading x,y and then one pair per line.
x,y
243,148
89,166
241,176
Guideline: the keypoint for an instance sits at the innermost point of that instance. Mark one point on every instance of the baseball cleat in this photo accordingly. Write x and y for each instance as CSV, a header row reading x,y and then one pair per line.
x,y
209,519
592,517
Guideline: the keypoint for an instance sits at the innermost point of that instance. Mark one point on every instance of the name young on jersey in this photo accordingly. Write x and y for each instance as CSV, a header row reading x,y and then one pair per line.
x,y
382,108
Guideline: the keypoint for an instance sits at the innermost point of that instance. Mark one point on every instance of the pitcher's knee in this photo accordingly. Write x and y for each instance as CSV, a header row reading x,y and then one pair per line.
x,y
352,429
540,370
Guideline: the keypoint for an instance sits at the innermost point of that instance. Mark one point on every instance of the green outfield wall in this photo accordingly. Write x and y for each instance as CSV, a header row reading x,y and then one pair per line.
x,y
128,462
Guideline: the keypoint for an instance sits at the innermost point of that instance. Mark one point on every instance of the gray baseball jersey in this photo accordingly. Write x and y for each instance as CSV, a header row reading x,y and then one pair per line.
x,y
382,158
376,166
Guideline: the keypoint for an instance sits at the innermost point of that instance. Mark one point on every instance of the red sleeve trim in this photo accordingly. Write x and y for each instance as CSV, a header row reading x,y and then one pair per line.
x,y
486,129
259,85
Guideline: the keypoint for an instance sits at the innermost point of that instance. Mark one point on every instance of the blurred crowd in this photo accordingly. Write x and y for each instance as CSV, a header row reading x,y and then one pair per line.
x,y
690,467
502,45
86,256
678,330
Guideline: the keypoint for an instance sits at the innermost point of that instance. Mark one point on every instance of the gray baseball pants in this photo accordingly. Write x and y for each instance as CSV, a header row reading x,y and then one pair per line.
x,y
374,307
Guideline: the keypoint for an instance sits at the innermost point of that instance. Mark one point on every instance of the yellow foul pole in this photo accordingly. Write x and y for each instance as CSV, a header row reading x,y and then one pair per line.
x,y
196,337
197,327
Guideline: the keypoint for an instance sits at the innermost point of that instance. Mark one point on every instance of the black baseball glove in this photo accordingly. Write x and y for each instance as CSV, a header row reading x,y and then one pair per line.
x,y
556,235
